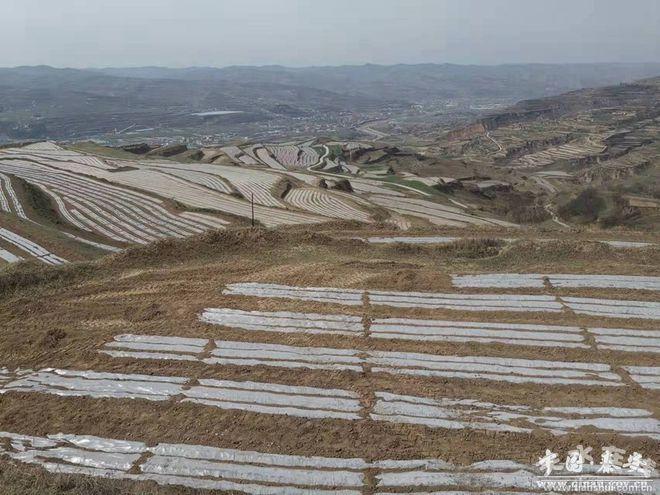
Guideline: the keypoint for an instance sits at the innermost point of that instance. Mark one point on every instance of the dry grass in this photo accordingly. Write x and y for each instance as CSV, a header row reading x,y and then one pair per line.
x,y
60,317
25,480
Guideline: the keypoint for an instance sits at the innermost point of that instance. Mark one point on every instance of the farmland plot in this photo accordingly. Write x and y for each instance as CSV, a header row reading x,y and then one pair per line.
x,y
198,196
406,363
119,214
412,240
28,247
247,181
433,212
150,178
518,280
447,240
465,302
8,257
351,297
429,330
470,331
52,154
207,180
324,403
628,340
324,203
265,156
478,415
610,308
239,156
285,321
292,156
646,376
8,200
188,465
231,470
265,398
233,353
569,151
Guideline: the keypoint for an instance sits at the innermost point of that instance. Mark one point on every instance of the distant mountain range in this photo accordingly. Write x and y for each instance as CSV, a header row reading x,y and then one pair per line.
x,y
416,83
44,102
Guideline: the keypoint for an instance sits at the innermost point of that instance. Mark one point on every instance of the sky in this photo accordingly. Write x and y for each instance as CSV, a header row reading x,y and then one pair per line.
x,y
182,33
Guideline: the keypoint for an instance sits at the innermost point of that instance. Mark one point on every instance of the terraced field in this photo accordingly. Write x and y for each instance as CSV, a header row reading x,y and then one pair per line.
x,y
434,213
324,203
292,156
260,372
125,201
118,214
8,200
569,151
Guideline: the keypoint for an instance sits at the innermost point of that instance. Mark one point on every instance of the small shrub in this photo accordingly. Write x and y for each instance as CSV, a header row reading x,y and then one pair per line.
x,y
587,206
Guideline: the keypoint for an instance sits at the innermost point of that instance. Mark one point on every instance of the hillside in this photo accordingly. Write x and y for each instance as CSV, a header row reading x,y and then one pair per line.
x,y
179,368
207,105
330,315
606,139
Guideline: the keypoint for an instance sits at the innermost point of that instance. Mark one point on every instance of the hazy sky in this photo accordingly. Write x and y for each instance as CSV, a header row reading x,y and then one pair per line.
x,y
101,33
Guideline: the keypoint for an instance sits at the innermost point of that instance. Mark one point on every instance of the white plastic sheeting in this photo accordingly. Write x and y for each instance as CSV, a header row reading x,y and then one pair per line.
x,y
284,321
483,332
609,308
629,340
429,330
114,212
193,466
520,280
646,376
352,297
613,308
478,415
256,473
446,240
257,397
499,280
233,353
31,248
9,202
492,368
324,203
269,398
465,302
412,240
430,474
9,257
417,364
69,383
284,356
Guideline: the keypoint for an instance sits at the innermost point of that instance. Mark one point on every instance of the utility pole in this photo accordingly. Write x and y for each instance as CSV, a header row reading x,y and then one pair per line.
x,y
252,202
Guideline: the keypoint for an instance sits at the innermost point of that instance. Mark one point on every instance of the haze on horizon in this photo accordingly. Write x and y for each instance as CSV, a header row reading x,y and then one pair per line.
x,y
125,33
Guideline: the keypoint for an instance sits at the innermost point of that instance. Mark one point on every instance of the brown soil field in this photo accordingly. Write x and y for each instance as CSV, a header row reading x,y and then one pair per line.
x,y
61,316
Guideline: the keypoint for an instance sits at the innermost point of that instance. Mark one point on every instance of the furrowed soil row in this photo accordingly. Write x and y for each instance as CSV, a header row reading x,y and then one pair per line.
x,y
324,403
323,203
256,473
415,364
8,200
524,280
425,330
121,215
29,247
447,240
433,212
611,308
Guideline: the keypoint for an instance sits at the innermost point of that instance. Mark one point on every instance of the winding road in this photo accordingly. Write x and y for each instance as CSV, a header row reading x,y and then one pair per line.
x,y
493,140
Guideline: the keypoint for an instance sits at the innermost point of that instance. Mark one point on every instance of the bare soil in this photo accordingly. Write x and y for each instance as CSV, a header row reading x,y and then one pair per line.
x,y
60,317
